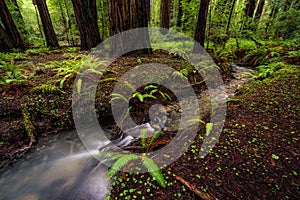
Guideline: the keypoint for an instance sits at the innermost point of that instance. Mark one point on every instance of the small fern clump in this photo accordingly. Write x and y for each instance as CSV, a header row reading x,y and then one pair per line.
x,y
150,165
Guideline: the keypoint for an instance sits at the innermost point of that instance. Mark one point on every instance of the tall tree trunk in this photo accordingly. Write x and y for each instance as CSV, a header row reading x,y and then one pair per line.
x,y
201,26
272,15
87,23
180,14
259,10
64,21
10,26
250,7
69,21
165,15
148,9
50,36
5,42
126,15
230,17
38,20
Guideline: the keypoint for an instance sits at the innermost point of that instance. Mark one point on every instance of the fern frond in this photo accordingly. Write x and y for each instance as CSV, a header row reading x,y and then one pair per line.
x,y
154,170
120,163
130,86
116,96
149,96
165,96
155,136
185,72
150,87
209,127
144,138
139,96
200,121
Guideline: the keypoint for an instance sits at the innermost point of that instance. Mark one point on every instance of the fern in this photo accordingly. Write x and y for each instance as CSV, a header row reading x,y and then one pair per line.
x,y
120,163
144,138
116,96
165,96
139,96
155,136
209,127
200,121
148,87
154,170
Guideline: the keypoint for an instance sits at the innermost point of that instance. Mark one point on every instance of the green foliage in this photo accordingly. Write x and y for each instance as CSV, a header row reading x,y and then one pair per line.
x,y
45,89
66,69
11,73
287,24
209,127
154,170
181,74
265,71
120,163
151,166
37,51
141,97
294,53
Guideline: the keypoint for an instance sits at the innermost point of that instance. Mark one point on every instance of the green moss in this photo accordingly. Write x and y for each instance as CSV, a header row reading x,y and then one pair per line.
x,y
27,123
45,89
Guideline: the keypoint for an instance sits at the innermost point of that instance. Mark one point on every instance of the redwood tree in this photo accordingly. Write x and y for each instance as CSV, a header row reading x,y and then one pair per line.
x,y
87,23
201,25
259,10
180,14
51,39
6,44
250,7
165,15
10,27
126,15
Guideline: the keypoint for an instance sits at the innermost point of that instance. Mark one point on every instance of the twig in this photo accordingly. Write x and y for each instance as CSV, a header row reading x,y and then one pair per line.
x,y
193,188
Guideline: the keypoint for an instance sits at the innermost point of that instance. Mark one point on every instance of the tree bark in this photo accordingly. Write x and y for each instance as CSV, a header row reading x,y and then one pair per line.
x,y
126,15
49,32
87,23
259,10
148,9
230,16
201,25
250,7
165,15
10,26
5,42
180,14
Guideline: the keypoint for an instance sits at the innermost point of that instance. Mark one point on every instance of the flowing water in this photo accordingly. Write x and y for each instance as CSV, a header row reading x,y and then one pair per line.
x,y
59,167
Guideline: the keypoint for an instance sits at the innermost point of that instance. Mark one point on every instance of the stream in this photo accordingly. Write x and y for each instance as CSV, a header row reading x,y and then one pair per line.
x,y
59,167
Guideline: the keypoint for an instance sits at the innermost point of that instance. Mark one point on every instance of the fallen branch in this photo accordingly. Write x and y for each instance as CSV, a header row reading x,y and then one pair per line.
x,y
194,189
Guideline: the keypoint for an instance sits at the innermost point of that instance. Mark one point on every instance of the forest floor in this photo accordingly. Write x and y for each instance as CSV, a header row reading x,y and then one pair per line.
x,y
257,156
